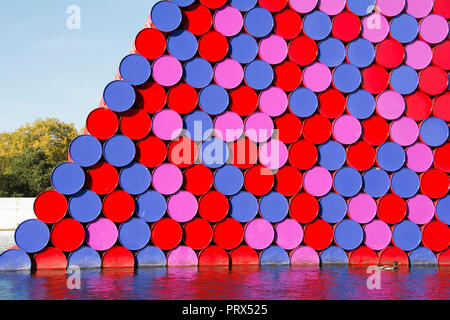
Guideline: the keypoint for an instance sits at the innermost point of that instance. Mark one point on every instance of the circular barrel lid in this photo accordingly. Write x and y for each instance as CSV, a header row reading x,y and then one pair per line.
x,y
391,208
288,24
101,234
317,77
244,153
288,76
182,206
331,7
289,234
134,178
346,78
243,100
347,129
243,206
419,9
258,180
213,256
361,104
331,52
404,28
198,234
32,235
243,48
436,236
197,19
421,209
440,57
332,103
243,5
273,207
166,233
443,209
289,127
67,235
404,131
273,101
444,258
360,7
167,124
273,154
331,155
135,124
214,153
102,123
375,79
332,208
213,4
119,150
376,182
151,97
119,96
228,21
258,22
166,16
102,178
318,235
258,74
418,106
67,178
228,73
404,79
433,80
289,180
134,234
440,109
274,255
363,256
390,156
434,131
213,206
303,50
213,46
85,206
49,258
151,256
182,44
182,256
442,158
228,180
303,207
84,257
390,255
375,27
135,69
182,98
347,181
391,8
362,208
228,233
422,256
244,255
167,179
85,150
198,179
418,54
182,152
50,206
197,72
317,181
259,234
273,49
361,156
198,124
346,26
303,102
317,25
116,257
151,206
406,235
118,206
151,151
150,43
390,53
213,99
258,127
304,256
390,105
434,183
377,235
333,256
433,28
405,183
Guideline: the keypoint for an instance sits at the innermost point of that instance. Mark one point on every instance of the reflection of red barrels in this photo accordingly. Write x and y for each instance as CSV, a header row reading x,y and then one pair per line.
x,y
118,256
390,255
363,256
244,255
67,235
213,255
50,258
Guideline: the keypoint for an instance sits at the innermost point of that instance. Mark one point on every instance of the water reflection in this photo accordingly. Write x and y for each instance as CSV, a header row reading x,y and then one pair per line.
x,y
274,282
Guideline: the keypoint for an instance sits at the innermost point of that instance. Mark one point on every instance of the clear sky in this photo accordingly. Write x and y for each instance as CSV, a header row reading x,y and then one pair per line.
x,y
49,70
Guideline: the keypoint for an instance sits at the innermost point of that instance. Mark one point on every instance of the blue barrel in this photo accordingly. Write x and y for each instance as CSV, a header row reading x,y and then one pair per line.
x,y
406,235
182,45
198,125
258,74
332,207
361,104
135,69
183,3
244,206
258,22
376,182
360,52
84,257
67,178
391,156
228,180
85,206
166,16
273,207
404,79
347,181
422,256
213,99
332,155
243,48
135,178
317,25
434,131
443,209
151,206
119,150
404,28
331,52
348,234
151,256
346,78
14,259
214,153
119,96
303,102
197,72
361,7
333,256
85,150
32,235
134,234
243,5
405,183
273,255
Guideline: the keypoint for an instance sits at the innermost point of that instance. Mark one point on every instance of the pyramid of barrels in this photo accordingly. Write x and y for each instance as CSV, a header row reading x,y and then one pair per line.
x,y
260,132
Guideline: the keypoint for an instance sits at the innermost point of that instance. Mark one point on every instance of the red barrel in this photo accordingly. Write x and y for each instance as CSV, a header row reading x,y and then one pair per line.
x,y
244,255
118,257
49,258
213,256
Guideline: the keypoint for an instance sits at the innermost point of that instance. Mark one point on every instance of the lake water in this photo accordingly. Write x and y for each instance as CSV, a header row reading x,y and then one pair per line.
x,y
249,283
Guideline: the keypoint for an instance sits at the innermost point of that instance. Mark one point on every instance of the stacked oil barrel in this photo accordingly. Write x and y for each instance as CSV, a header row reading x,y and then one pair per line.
x,y
249,132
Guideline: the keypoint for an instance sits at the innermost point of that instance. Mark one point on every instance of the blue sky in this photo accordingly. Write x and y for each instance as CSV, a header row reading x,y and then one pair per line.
x,y
51,71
